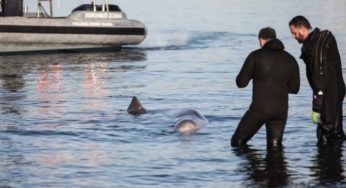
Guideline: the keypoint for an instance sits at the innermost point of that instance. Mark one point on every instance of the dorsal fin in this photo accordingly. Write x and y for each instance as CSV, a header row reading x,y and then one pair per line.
x,y
135,107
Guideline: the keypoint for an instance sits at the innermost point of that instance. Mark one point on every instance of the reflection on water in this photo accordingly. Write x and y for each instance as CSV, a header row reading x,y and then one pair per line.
x,y
12,163
327,165
263,168
13,83
38,95
270,167
49,89
126,55
95,84
51,69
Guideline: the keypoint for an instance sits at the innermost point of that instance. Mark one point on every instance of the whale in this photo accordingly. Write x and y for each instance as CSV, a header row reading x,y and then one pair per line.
x,y
187,121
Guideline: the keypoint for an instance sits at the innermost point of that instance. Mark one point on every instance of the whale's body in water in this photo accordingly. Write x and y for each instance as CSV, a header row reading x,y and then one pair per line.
x,y
187,121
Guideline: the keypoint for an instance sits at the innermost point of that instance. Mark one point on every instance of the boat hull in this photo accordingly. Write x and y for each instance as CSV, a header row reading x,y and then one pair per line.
x,y
22,49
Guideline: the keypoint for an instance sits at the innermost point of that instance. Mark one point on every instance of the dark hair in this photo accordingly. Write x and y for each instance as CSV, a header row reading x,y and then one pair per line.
x,y
300,21
267,33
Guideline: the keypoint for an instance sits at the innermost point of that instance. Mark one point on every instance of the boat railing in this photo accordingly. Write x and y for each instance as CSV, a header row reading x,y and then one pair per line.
x,y
105,6
41,11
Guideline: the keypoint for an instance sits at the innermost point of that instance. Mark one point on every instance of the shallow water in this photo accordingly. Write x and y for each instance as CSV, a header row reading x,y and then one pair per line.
x,y
64,121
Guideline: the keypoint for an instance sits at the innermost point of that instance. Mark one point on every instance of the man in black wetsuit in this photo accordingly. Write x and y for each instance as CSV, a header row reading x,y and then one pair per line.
x,y
324,72
275,73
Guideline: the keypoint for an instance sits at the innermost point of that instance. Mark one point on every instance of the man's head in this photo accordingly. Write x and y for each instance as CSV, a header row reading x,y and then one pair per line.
x,y
266,34
300,28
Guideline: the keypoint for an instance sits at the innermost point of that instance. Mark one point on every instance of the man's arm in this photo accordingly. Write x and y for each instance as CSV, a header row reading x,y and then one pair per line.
x,y
320,69
246,72
333,52
294,82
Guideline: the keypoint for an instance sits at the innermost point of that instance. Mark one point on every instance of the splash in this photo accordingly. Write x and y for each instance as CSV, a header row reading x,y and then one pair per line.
x,y
165,40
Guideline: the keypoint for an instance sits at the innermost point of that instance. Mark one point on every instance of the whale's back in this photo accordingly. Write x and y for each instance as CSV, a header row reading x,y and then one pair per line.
x,y
189,121
186,126
186,121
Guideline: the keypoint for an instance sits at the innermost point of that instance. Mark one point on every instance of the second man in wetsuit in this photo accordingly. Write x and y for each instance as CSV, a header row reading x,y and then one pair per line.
x,y
275,74
324,72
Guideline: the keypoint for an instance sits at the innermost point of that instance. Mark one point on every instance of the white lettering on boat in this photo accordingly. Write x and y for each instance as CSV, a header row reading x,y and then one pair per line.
x,y
103,15
94,24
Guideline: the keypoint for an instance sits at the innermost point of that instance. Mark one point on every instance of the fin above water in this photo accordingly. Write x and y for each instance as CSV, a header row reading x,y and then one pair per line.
x,y
135,107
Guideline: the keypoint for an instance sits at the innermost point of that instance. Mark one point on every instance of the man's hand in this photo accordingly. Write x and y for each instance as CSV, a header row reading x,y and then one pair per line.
x,y
315,117
318,101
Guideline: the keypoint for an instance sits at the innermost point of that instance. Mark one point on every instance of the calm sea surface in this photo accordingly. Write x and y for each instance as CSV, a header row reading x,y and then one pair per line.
x,y
64,121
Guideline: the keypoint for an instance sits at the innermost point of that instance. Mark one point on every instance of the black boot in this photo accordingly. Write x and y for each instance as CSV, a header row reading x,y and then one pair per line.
x,y
340,136
324,134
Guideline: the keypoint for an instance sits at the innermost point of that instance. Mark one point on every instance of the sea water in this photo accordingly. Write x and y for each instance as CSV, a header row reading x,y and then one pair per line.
x,y
64,121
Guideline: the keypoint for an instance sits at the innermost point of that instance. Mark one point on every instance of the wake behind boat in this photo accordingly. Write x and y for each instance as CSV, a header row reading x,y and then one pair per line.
x,y
88,27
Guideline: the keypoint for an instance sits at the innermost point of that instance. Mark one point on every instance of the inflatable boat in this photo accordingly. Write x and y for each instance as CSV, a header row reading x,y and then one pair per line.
x,y
88,27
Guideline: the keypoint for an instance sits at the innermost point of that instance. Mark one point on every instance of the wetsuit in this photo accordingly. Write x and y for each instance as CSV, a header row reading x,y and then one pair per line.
x,y
324,72
275,73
